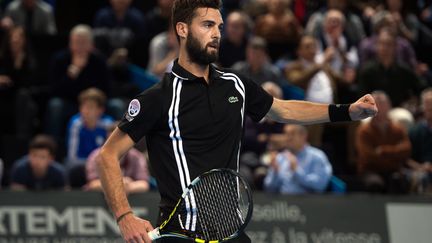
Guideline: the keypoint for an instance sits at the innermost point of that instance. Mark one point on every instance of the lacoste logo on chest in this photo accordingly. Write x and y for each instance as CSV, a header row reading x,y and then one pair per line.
x,y
233,99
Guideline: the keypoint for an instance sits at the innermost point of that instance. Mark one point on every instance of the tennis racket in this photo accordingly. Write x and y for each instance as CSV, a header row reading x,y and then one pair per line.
x,y
215,207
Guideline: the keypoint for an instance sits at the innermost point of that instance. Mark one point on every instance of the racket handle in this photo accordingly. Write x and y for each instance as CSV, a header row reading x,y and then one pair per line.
x,y
154,234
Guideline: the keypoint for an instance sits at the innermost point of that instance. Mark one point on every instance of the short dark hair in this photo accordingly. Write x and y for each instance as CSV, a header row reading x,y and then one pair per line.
x,y
257,43
184,10
92,94
43,142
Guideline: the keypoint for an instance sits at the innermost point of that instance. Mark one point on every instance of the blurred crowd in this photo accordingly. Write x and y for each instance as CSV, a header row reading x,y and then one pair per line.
x,y
68,70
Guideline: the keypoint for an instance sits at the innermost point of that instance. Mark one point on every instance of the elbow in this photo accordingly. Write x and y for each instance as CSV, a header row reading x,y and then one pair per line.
x,y
101,158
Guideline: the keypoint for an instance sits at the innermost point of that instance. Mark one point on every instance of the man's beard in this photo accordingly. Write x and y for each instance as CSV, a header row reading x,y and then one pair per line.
x,y
200,55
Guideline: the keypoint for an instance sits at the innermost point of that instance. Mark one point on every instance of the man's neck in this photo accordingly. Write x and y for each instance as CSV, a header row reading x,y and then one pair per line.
x,y
39,173
193,67
120,13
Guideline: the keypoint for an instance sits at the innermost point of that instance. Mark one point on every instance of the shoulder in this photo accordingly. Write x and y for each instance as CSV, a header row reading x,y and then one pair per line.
x,y
57,168
318,153
75,120
158,90
45,7
135,13
13,6
21,165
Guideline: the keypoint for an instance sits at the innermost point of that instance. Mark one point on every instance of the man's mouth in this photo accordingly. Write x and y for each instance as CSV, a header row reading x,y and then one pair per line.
x,y
213,45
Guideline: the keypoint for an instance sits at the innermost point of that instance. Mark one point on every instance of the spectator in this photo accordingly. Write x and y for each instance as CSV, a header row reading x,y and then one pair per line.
x,y
38,170
157,20
234,41
383,148
421,139
36,16
399,82
71,72
118,26
133,166
257,64
353,27
404,51
334,41
279,27
316,79
163,50
17,84
87,130
407,23
300,168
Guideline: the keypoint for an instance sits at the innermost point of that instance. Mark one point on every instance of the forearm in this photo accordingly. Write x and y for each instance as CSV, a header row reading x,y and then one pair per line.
x,y
298,112
112,182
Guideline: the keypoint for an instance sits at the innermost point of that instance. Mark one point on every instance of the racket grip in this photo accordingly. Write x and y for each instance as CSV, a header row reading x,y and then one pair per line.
x,y
154,234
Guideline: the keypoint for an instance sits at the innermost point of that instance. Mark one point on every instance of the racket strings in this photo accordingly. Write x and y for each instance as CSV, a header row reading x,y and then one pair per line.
x,y
219,210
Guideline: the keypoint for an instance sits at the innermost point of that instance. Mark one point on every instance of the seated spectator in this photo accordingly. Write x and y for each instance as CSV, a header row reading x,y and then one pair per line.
x,y
257,135
421,139
87,130
300,168
257,64
73,71
404,50
18,83
36,16
383,147
118,26
133,166
407,23
353,26
157,19
38,170
279,27
399,82
163,50
234,40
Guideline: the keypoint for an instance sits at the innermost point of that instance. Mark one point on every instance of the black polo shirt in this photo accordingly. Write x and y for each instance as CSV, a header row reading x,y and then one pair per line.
x,y
191,126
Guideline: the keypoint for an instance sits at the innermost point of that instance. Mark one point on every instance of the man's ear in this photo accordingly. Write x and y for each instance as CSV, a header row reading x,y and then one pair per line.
x,y
182,30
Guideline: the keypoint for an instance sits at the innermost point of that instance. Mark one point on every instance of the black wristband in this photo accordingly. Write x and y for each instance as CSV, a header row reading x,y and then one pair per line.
x,y
339,112
122,216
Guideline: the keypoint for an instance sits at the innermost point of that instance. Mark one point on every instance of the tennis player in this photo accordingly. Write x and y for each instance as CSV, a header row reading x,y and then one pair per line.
x,y
193,119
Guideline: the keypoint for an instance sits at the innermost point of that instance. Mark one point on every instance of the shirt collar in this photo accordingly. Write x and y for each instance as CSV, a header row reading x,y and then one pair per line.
x,y
184,74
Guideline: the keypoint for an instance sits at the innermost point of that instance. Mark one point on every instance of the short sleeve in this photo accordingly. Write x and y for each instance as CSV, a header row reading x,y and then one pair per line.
x,y
258,101
142,114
